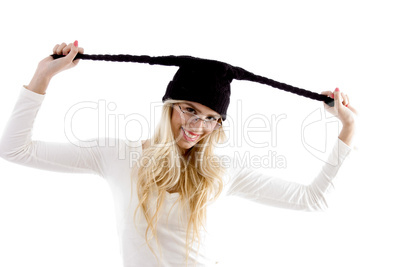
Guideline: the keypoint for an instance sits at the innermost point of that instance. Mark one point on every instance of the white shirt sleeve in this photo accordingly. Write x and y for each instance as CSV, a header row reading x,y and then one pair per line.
x,y
262,188
17,146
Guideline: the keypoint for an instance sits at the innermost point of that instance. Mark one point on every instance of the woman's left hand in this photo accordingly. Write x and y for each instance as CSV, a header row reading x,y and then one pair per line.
x,y
342,108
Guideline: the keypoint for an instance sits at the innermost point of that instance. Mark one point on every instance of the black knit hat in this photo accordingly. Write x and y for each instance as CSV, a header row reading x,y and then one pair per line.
x,y
207,83
202,80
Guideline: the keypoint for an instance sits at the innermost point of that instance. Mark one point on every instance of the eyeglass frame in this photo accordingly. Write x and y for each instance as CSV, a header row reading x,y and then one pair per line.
x,y
197,118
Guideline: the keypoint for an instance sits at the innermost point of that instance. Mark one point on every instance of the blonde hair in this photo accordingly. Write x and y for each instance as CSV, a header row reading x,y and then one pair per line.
x,y
196,176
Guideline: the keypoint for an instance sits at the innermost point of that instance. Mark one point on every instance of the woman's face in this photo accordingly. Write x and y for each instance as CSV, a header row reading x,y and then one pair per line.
x,y
186,129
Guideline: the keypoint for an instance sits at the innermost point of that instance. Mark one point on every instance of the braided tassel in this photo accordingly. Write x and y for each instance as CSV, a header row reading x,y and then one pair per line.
x,y
238,73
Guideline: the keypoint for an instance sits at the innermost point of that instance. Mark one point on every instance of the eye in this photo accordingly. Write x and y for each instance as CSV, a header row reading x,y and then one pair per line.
x,y
212,119
190,110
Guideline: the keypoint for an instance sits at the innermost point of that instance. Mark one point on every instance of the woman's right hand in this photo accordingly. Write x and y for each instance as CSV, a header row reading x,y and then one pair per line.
x,y
49,67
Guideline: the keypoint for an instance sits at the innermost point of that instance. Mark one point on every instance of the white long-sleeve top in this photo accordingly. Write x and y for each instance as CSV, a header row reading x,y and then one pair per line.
x,y
116,162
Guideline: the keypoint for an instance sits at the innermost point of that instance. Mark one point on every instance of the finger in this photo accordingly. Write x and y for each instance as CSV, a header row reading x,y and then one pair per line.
x,y
81,51
328,93
67,49
60,48
338,99
345,100
72,52
55,49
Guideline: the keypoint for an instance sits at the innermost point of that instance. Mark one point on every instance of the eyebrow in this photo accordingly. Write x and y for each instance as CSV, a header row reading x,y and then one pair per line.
x,y
212,115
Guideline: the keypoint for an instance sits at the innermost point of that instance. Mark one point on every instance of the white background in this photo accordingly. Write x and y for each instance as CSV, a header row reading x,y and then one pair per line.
x,y
53,219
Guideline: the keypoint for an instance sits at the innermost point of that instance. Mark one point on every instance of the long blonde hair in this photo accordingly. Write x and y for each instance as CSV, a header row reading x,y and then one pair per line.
x,y
196,176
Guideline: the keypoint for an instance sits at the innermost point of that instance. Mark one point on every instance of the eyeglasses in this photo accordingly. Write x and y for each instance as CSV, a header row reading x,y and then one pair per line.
x,y
212,123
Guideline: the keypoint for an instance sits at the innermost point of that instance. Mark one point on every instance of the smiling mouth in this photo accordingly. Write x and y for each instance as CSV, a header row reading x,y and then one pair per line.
x,y
189,136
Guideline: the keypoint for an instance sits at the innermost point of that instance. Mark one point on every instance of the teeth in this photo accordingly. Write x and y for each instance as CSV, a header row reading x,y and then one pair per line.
x,y
189,135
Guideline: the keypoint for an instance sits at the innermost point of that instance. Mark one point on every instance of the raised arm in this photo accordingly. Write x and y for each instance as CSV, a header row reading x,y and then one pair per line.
x,y
16,144
273,191
345,112
49,67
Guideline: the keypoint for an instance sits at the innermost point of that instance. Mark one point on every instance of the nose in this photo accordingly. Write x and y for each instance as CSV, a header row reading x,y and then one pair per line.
x,y
197,125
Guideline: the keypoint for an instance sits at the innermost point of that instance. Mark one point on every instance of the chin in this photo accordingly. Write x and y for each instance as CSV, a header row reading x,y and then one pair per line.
x,y
184,144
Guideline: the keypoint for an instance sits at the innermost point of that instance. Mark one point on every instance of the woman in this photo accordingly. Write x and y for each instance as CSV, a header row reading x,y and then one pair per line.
x,y
161,197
